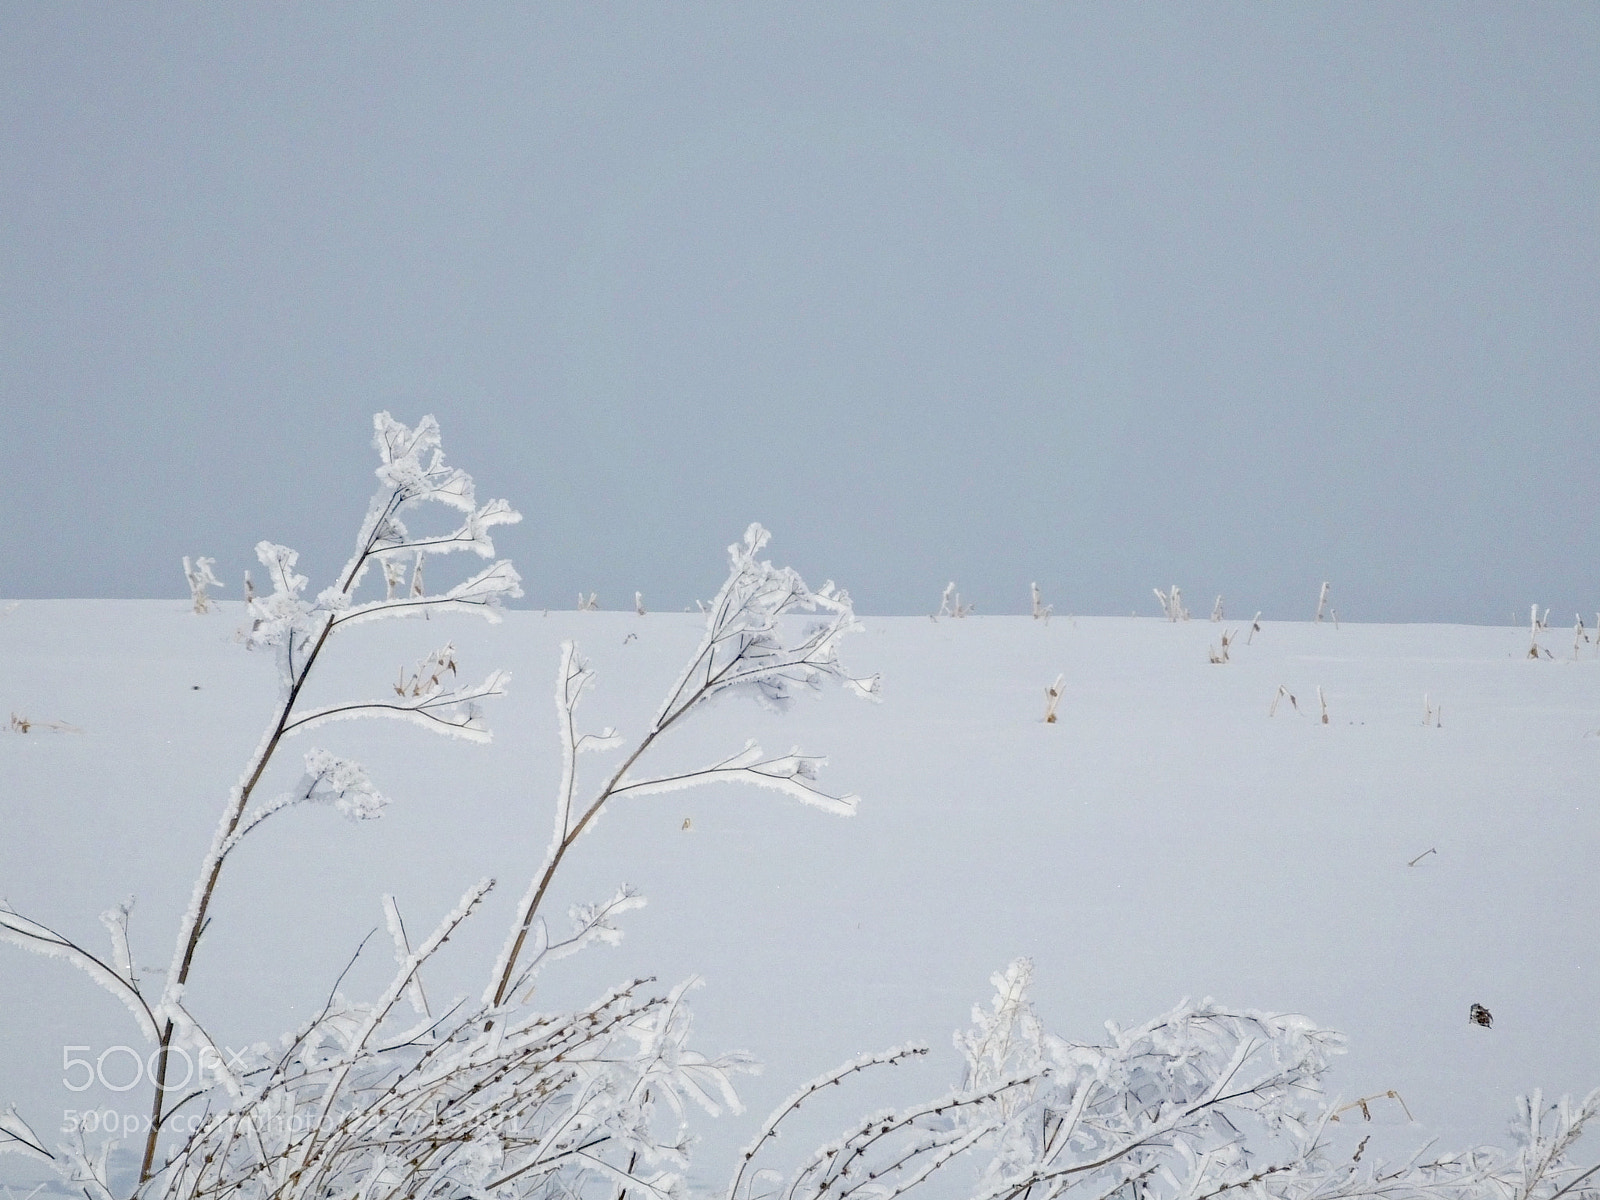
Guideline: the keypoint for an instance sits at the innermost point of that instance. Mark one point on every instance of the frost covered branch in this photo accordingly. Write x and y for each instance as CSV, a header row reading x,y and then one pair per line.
x,y
199,576
449,710
1196,1104
412,472
950,603
1041,610
1171,604
485,1101
17,1138
793,1104
744,647
753,644
118,979
794,774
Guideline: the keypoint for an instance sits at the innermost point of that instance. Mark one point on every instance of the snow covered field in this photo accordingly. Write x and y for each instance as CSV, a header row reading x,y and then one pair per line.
x,y
1164,838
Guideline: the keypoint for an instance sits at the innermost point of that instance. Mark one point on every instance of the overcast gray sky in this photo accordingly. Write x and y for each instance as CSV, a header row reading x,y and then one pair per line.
x,y
1235,297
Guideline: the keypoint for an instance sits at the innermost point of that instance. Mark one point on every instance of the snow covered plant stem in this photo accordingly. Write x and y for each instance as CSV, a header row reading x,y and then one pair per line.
x,y
1199,1102
1171,604
412,472
746,648
200,577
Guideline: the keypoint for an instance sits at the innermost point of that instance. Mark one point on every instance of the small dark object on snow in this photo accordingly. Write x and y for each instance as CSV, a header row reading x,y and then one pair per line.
x,y
1479,1015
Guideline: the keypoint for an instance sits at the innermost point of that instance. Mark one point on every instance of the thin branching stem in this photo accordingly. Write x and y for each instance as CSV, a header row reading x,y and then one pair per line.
x,y
298,668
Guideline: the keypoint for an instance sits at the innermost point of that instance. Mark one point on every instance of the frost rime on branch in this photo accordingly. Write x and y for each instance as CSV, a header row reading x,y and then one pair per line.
x,y
412,472
744,647
199,576
751,645
1198,1103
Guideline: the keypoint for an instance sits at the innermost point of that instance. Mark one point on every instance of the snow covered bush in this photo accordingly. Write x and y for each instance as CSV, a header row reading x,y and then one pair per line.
x,y
1171,604
199,577
389,1098
396,1098
1198,1103
297,631
950,603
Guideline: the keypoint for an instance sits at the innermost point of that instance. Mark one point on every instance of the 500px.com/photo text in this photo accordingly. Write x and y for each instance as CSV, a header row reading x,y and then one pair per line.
x,y
124,1124
128,1124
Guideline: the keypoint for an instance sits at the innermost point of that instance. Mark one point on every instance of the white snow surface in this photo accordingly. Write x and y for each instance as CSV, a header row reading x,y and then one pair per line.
x,y
1164,838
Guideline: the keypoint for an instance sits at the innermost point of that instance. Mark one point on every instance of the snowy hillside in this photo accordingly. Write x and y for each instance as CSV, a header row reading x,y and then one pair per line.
x,y
1165,837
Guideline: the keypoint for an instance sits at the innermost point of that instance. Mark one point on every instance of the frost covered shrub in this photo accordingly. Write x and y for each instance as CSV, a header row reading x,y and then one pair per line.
x,y
489,1099
1196,1104
297,630
200,578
